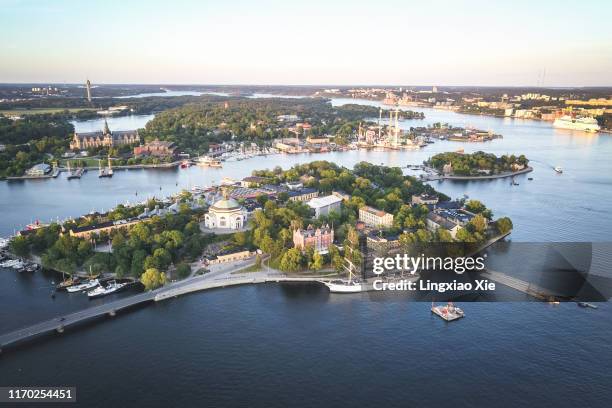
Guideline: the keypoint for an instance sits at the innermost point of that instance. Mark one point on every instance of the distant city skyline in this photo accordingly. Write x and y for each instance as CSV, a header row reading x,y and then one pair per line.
x,y
269,42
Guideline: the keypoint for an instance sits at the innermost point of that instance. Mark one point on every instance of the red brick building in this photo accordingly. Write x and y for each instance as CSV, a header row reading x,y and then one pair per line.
x,y
156,148
320,238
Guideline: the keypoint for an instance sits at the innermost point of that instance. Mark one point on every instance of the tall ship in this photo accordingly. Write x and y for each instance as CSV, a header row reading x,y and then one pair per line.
x,y
352,260
584,124
105,171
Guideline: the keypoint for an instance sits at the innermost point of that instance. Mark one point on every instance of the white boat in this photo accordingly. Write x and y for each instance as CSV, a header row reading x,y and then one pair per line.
x,y
584,124
559,169
100,291
4,242
18,265
9,263
350,285
83,286
207,161
448,312
344,286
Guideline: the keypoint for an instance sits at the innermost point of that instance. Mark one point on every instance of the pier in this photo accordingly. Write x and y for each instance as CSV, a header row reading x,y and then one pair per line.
x,y
528,288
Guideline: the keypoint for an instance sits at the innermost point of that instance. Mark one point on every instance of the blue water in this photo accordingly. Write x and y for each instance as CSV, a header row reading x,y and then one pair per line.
x,y
163,93
277,345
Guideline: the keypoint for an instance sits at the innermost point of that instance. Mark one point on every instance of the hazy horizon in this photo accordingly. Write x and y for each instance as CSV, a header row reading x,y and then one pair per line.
x,y
285,43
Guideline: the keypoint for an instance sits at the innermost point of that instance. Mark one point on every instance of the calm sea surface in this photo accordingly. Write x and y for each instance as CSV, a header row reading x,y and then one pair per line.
x,y
287,345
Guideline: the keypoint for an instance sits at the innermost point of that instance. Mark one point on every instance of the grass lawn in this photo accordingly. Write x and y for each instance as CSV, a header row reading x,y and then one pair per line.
x,y
89,161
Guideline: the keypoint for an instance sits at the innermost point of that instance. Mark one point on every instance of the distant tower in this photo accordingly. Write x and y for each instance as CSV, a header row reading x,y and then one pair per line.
x,y
106,129
434,89
88,86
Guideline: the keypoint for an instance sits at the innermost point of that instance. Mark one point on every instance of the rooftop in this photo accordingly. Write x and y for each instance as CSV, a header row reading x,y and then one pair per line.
x,y
374,211
319,202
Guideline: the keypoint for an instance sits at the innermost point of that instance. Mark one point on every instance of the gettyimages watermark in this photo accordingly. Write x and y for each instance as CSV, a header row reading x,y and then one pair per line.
x,y
411,264
504,271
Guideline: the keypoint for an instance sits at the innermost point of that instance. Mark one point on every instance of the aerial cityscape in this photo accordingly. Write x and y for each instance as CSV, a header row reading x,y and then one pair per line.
x,y
273,204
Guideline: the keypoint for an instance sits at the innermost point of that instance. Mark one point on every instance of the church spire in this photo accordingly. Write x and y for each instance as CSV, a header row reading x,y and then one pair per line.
x,y
106,130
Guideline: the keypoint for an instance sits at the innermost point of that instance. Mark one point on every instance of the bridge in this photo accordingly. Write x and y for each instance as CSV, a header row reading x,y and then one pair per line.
x,y
211,280
215,279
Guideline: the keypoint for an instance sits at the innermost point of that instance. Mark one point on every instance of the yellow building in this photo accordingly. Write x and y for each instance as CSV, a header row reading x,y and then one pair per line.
x,y
375,218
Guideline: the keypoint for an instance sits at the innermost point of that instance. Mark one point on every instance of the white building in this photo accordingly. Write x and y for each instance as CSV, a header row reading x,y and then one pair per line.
x,y
325,205
375,218
226,214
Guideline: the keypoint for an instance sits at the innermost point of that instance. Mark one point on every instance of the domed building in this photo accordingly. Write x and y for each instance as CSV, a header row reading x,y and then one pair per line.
x,y
226,213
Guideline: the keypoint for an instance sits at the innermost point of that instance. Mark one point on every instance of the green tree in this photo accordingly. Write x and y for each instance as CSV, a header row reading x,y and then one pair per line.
x,y
317,261
153,278
183,270
20,246
291,260
504,225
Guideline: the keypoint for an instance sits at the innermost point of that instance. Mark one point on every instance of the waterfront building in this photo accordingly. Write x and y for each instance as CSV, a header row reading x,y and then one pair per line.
x,y
318,238
375,218
325,205
427,199
89,230
105,138
226,214
39,169
156,148
435,221
303,194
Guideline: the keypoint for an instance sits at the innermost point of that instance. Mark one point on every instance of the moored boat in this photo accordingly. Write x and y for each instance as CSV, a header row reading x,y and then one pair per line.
x,y
344,286
83,286
101,291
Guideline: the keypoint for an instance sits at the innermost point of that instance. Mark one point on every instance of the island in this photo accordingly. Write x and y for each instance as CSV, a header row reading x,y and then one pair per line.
x,y
299,220
475,166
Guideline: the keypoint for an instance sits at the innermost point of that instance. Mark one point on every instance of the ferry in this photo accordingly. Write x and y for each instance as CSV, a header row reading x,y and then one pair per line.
x,y
83,286
100,291
207,161
584,124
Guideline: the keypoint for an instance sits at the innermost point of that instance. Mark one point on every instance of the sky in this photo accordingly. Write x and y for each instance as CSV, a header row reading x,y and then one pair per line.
x,y
308,42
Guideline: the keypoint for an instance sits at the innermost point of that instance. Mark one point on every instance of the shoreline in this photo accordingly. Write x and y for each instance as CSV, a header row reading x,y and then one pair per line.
x,y
528,169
